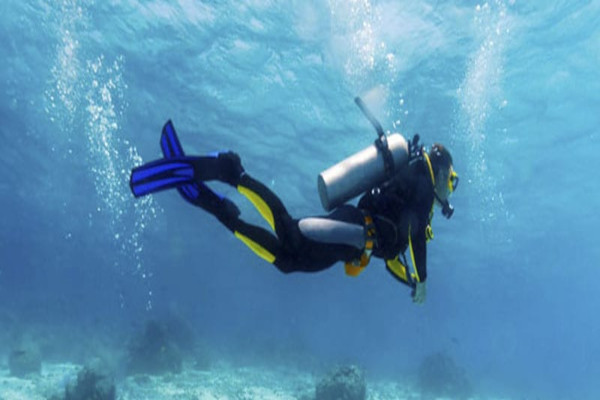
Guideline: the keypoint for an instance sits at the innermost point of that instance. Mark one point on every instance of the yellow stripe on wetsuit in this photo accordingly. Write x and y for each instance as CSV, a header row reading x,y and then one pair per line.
x,y
262,207
412,257
255,247
399,269
267,214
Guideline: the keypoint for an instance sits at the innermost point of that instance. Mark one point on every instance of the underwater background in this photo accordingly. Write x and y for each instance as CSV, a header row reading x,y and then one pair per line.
x,y
511,87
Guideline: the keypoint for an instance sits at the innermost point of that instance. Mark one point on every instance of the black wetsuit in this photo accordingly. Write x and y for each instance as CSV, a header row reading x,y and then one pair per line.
x,y
402,208
387,220
399,208
292,250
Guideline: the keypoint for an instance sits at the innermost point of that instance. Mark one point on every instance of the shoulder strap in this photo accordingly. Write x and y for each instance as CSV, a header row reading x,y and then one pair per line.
x,y
382,145
415,150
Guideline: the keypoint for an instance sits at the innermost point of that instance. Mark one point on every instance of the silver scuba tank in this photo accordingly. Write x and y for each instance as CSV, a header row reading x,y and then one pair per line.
x,y
365,169
360,172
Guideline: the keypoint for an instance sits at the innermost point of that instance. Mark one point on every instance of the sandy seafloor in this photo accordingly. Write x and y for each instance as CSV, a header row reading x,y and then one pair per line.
x,y
219,383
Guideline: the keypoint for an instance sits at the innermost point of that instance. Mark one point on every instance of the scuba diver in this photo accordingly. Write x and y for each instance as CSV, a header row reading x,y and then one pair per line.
x,y
399,181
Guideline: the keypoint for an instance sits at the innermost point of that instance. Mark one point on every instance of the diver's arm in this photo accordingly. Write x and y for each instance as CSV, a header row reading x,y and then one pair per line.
x,y
418,253
419,259
418,234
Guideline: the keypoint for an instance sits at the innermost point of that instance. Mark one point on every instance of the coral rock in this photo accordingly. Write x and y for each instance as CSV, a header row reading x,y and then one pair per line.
x,y
343,383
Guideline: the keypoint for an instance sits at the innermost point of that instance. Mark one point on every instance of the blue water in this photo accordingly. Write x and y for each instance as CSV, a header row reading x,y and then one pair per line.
x,y
512,87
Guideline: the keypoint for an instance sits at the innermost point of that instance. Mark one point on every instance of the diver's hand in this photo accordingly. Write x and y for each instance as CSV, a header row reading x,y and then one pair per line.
x,y
420,293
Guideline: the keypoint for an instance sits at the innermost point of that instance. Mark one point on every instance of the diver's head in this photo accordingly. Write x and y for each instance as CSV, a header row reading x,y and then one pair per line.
x,y
446,179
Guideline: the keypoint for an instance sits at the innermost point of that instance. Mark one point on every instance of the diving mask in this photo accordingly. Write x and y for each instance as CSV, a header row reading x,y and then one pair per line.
x,y
447,209
452,181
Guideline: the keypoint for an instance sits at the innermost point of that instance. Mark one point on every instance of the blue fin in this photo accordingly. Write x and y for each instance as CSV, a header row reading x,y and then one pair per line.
x,y
176,170
194,192
161,175
169,142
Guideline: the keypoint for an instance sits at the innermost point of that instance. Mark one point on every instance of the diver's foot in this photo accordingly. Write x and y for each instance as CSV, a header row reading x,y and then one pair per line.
x,y
230,168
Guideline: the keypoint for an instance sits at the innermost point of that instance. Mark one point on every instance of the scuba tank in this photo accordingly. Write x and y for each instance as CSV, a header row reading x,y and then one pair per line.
x,y
365,169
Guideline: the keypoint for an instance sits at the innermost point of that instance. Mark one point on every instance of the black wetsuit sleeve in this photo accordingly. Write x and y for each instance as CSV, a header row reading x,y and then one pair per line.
x,y
419,250
400,210
418,238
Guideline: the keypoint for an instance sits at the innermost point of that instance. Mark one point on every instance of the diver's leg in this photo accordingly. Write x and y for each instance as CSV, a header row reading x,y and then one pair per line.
x,y
291,250
308,244
218,205
270,248
227,167
180,172
326,240
195,192
262,242
268,204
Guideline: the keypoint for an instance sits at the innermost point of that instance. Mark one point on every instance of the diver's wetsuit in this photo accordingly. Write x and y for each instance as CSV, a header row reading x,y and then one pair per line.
x,y
291,250
388,219
400,210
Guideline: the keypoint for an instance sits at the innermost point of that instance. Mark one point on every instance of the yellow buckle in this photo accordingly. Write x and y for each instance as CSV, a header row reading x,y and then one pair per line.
x,y
355,267
428,233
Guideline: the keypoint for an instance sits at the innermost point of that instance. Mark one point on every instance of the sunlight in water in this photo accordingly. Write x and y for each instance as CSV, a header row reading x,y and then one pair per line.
x,y
91,89
366,62
112,159
353,21
67,66
478,94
